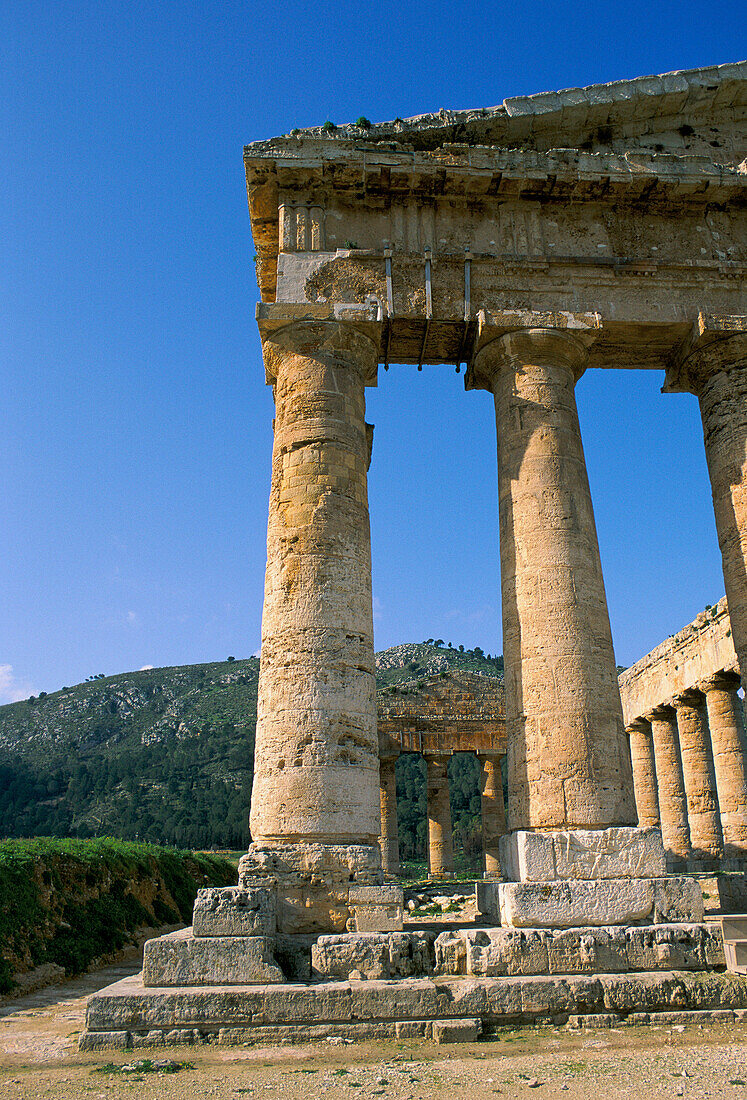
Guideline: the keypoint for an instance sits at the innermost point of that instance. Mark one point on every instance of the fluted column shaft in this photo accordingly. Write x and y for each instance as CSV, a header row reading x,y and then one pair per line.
x,y
389,826
568,761
671,785
316,760
440,843
726,723
699,777
644,773
493,812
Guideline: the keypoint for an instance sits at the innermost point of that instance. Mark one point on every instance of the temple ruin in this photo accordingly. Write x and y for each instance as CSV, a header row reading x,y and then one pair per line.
x,y
687,742
462,712
591,228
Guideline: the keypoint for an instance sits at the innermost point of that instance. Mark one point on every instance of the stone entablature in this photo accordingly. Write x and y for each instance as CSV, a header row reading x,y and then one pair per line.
x,y
464,712
620,199
689,658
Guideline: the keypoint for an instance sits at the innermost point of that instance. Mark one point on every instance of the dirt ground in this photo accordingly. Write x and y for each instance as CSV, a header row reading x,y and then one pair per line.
x,y
39,1059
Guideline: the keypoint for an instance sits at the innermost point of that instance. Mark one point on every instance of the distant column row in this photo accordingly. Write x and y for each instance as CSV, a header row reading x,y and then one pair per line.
x,y
689,773
440,833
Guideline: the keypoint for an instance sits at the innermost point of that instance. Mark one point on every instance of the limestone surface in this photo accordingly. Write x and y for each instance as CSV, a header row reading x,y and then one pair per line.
x,y
374,955
572,903
231,911
313,881
568,758
494,952
621,852
317,771
127,1014
182,959
376,908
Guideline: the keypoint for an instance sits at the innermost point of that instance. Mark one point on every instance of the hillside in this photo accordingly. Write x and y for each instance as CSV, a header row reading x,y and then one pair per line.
x,y
165,755
66,903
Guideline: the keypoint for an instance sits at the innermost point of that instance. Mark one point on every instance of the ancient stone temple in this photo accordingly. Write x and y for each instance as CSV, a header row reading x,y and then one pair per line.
x,y
687,740
460,712
593,228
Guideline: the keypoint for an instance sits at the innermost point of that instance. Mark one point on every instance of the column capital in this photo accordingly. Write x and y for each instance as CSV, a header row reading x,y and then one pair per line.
x,y
715,343
638,725
724,680
688,699
515,338
349,334
665,712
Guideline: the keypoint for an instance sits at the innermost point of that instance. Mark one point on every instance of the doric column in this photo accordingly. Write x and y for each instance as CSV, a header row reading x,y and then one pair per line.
x,y
726,723
713,366
644,773
389,842
699,778
493,813
568,761
440,845
316,773
672,798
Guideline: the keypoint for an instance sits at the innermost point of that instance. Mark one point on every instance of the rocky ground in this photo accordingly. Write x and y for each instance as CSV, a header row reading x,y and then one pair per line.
x,y
39,1058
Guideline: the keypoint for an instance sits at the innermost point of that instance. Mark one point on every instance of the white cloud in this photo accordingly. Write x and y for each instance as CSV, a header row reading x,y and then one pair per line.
x,y
12,689
132,618
145,668
378,607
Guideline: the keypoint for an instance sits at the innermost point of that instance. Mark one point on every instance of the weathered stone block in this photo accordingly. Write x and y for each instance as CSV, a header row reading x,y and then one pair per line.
x,y
373,955
104,1040
487,902
587,950
456,1031
231,911
573,904
377,908
621,852
313,881
677,899
674,947
413,1029
496,951
183,959
451,953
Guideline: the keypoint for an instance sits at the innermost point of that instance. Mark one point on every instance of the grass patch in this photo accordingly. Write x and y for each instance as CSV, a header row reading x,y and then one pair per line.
x,y
70,901
144,1065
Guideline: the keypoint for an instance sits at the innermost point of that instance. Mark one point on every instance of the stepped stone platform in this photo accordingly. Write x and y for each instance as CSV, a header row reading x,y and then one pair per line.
x,y
563,949
129,1015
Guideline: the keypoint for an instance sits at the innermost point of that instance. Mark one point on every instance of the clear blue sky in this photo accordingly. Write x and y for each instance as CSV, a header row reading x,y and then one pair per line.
x,y
135,421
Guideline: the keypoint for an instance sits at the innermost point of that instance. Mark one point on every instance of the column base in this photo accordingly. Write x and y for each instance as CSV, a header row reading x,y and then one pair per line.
x,y
313,881
613,853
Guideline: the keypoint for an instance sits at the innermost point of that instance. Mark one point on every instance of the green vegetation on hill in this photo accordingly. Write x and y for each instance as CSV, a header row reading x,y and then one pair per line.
x,y
163,755
166,755
72,901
